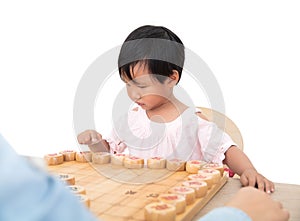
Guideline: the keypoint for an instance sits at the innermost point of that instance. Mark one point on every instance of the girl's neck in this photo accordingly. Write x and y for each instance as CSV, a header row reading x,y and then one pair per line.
x,y
167,112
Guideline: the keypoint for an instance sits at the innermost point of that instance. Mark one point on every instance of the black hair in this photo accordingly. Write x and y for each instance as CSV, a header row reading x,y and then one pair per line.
x,y
156,47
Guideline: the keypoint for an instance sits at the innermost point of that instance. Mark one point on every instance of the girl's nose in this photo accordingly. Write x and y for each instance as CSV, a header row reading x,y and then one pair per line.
x,y
135,94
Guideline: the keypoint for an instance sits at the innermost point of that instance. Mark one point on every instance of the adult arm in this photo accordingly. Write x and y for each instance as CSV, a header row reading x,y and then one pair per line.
x,y
226,213
30,194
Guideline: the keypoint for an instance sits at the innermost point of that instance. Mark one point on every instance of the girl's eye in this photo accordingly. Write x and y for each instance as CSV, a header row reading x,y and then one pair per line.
x,y
141,86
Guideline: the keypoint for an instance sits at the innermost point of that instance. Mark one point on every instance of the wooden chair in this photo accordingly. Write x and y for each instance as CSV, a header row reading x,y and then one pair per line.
x,y
228,126
224,123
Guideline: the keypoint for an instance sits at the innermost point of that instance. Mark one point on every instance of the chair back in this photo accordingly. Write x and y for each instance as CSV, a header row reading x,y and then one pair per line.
x,y
224,123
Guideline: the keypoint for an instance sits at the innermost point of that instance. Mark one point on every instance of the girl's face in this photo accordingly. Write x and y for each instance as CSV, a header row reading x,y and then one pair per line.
x,y
147,91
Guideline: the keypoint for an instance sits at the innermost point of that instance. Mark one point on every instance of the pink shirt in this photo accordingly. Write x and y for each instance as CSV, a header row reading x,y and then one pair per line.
x,y
187,137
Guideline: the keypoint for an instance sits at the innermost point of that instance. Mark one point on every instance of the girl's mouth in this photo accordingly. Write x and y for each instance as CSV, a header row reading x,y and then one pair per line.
x,y
140,104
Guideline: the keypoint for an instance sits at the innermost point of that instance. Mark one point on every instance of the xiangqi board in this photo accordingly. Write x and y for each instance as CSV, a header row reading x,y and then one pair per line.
x,y
118,193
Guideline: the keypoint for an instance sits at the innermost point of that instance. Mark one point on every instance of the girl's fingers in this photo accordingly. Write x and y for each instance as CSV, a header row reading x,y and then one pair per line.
x,y
244,180
269,186
95,137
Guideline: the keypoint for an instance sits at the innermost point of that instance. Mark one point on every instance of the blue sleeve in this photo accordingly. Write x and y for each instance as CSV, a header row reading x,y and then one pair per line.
x,y
30,194
225,213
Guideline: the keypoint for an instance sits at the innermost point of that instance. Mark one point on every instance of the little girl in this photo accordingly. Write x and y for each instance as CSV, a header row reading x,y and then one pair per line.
x,y
160,125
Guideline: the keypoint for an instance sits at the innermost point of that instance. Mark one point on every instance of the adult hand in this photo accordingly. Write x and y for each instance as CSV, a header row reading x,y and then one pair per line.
x,y
258,205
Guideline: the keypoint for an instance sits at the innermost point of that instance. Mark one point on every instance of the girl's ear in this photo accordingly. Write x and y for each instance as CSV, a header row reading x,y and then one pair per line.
x,y
173,79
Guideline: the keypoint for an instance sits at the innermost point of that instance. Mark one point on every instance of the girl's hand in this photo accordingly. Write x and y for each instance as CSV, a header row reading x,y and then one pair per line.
x,y
250,177
89,137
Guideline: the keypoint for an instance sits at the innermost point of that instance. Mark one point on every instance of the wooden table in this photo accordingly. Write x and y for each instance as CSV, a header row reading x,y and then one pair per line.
x,y
287,194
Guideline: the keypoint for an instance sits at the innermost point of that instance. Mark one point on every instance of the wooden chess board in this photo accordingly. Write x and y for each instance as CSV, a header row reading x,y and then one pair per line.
x,y
117,193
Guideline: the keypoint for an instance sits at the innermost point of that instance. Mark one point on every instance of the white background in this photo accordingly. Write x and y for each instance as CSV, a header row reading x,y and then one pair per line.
x,y
252,47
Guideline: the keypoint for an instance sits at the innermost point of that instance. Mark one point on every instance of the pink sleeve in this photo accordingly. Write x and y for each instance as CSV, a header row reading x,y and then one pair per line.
x,y
214,141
